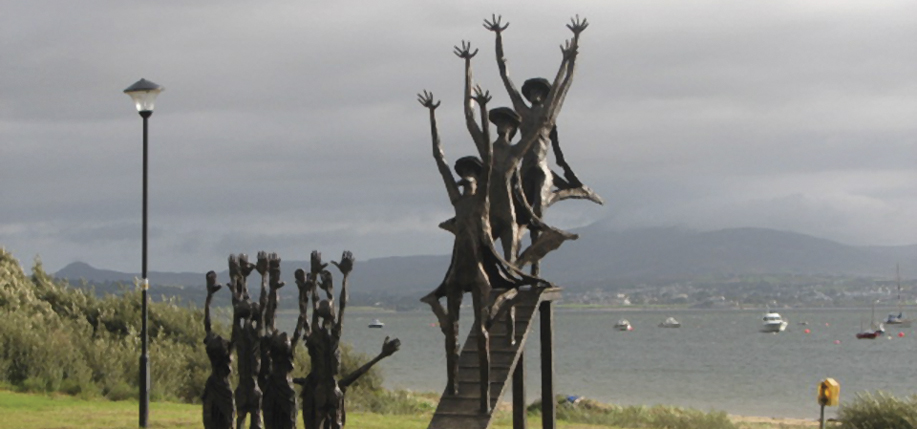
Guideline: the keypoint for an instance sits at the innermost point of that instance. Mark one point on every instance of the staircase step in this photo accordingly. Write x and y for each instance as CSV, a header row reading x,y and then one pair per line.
x,y
496,359
468,398
462,411
472,374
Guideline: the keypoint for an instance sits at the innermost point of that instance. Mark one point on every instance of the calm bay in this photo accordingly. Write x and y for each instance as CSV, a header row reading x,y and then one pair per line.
x,y
717,360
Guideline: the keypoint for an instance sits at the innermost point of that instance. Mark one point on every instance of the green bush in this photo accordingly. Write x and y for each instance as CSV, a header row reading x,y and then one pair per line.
x,y
596,413
55,338
878,411
58,338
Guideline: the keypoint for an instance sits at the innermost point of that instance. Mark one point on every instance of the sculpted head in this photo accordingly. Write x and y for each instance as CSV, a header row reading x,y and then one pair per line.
x,y
536,90
506,120
469,168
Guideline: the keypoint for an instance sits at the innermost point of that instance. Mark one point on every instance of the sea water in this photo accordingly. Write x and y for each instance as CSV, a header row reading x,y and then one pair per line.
x,y
717,360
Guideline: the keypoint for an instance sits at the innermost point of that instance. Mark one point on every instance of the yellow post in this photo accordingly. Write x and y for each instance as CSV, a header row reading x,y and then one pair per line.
x,y
829,393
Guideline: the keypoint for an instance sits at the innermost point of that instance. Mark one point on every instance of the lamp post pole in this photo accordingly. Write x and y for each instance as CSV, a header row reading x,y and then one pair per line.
x,y
144,95
144,337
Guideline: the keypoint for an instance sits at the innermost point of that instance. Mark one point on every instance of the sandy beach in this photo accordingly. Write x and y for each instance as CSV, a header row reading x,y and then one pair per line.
x,y
771,422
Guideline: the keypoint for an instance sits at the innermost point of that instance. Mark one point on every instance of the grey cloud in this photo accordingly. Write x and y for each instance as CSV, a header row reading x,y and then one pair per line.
x,y
289,123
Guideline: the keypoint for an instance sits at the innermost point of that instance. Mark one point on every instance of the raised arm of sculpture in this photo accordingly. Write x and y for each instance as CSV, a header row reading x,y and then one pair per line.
x,y
327,285
262,267
389,347
245,269
316,268
274,283
426,100
212,288
297,332
345,266
564,78
304,285
480,139
238,302
495,25
486,150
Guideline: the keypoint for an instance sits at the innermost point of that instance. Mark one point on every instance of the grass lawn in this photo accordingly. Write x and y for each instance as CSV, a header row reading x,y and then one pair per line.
x,y
35,411
30,411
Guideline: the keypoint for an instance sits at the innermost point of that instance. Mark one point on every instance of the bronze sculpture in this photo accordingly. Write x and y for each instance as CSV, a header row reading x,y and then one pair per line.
x,y
279,396
246,334
322,392
499,196
538,118
476,267
267,389
219,405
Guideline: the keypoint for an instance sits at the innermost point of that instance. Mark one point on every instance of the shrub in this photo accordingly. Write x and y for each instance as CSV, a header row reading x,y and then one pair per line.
x,y
879,410
592,412
55,338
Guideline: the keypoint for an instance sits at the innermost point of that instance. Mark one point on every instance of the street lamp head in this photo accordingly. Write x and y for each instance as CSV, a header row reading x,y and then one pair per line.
x,y
144,95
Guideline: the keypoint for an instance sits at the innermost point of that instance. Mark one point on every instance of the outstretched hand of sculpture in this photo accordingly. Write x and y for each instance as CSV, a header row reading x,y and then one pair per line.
x,y
481,96
569,50
495,25
426,100
577,25
465,51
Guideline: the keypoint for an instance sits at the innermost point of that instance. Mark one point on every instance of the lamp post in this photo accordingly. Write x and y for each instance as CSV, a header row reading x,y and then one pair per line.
x,y
144,93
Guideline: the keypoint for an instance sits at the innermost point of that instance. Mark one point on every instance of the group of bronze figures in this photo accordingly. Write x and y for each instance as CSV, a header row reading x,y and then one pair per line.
x,y
265,355
502,194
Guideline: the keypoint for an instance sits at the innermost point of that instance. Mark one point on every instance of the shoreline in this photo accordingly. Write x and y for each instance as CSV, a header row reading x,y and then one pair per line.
x,y
773,421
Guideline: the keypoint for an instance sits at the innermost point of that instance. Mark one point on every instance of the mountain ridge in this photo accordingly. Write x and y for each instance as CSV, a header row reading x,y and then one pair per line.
x,y
601,256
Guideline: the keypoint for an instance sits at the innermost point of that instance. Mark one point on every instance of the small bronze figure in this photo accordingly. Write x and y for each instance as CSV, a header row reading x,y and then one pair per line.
x,y
246,334
279,397
322,392
219,406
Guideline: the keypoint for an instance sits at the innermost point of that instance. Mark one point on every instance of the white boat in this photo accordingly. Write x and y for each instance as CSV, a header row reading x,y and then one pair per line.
x,y
670,323
898,320
773,322
623,325
376,323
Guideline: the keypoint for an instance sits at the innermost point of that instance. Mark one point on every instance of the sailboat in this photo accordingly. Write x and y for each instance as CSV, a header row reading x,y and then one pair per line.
x,y
898,320
875,331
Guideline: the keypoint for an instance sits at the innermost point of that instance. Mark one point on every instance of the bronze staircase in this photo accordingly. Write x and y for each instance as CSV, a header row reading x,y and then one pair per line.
x,y
463,411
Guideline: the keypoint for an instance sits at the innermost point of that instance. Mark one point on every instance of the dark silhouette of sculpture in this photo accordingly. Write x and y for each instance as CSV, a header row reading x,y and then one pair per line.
x,y
219,406
322,392
475,266
539,118
246,334
279,402
268,310
269,392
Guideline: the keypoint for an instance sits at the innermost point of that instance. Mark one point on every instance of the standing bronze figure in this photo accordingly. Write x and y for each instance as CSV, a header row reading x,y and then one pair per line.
x,y
279,396
219,406
322,392
538,118
476,267
246,334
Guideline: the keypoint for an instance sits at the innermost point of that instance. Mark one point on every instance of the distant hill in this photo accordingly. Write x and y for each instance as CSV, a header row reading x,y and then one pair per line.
x,y
673,253
603,257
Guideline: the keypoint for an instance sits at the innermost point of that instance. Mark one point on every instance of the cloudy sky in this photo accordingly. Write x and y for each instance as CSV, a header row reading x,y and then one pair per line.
x,y
293,125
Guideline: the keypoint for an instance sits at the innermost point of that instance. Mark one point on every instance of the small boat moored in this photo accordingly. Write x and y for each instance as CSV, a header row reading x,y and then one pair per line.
x,y
898,319
623,325
773,322
670,323
871,334
376,323
876,331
